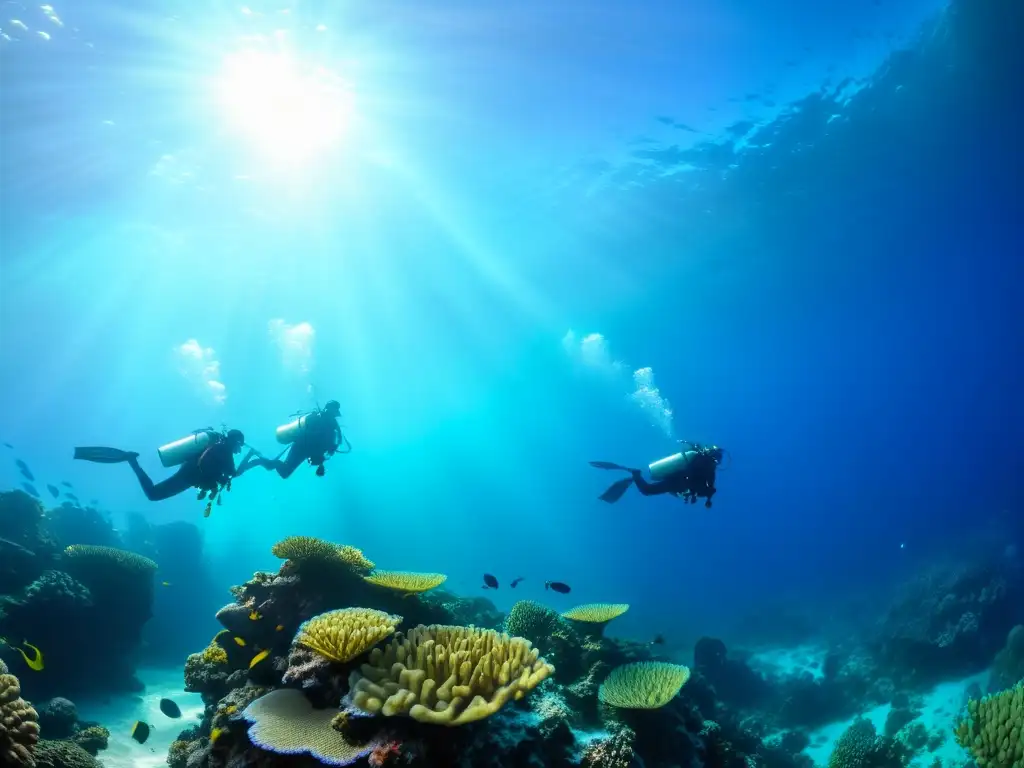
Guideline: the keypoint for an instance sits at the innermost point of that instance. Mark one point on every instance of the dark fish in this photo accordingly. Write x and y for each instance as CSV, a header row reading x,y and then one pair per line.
x,y
66,484
31,490
94,502
169,708
515,581
25,471
558,586
490,582
140,732
53,489
71,496
9,445
658,640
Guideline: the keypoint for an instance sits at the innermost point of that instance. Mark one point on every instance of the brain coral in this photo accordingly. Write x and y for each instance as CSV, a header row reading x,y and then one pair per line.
x,y
405,581
531,620
110,556
344,634
284,721
596,613
643,685
994,729
861,747
19,726
447,675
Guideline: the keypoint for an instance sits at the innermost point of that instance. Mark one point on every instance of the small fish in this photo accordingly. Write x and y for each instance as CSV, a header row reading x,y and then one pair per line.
x,y
255,615
169,708
215,734
558,587
35,662
230,709
658,640
515,581
72,497
94,502
25,471
165,583
30,489
54,490
279,627
140,732
258,658
9,445
66,484
240,642
490,582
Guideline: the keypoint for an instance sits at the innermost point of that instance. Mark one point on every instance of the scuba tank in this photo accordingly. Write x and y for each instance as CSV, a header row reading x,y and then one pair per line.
x,y
671,465
290,432
187,448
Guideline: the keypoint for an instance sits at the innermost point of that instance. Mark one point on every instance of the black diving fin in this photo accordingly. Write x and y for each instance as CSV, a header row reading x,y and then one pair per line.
x,y
608,465
616,489
102,455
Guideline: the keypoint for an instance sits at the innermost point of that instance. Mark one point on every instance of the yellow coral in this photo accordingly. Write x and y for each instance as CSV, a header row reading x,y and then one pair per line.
x,y
214,654
19,726
596,613
344,634
309,550
130,561
643,685
406,581
447,675
994,729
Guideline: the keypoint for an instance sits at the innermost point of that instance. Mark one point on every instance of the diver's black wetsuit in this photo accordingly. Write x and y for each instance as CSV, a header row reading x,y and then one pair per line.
x,y
213,468
698,480
321,438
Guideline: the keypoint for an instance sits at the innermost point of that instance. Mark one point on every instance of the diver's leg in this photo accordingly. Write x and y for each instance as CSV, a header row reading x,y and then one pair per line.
x,y
646,488
165,489
296,455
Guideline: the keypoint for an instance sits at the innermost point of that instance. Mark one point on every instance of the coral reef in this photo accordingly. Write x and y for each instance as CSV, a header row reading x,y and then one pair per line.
x,y
447,675
343,634
861,747
405,581
643,685
1008,666
19,728
993,731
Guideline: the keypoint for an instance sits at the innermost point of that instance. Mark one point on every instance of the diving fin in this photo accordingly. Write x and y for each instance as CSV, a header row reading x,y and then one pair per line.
x,y
102,455
616,489
608,465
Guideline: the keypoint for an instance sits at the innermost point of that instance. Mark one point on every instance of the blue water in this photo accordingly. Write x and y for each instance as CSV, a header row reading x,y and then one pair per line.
x,y
803,217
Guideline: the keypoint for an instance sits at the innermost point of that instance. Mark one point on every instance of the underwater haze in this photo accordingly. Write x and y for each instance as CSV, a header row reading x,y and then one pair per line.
x,y
510,240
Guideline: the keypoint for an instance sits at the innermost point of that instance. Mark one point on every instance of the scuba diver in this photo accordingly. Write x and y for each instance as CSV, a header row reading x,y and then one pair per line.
x,y
687,475
312,437
205,460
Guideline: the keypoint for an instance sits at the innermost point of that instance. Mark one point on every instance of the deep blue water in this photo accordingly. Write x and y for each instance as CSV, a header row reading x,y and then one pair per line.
x,y
824,277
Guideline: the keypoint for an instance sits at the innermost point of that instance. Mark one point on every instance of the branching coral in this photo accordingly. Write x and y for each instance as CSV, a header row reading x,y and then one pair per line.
x,y
19,727
284,722
405,581
596,613
344,634
110,556
643,685
309,550
447,675
994,729
616,751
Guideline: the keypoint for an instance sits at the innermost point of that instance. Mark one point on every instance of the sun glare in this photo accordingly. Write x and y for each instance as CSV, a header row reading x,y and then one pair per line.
x,y
291,113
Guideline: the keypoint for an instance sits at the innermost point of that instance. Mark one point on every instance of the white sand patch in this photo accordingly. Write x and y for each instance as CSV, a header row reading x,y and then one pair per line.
x,y
790,662
938,713
119,713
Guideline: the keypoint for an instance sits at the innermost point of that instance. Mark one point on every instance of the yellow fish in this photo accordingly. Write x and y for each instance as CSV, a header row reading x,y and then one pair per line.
x,y
230,709
258,658
279,627
240,642
36,662
215,734
165,583
255,615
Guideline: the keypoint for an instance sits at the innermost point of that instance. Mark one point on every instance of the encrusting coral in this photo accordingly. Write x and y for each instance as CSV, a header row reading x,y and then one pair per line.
x,y
284,722
596,613
309,550
19,727
447,675
994,729
346,633
643,685
405,581
121,558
